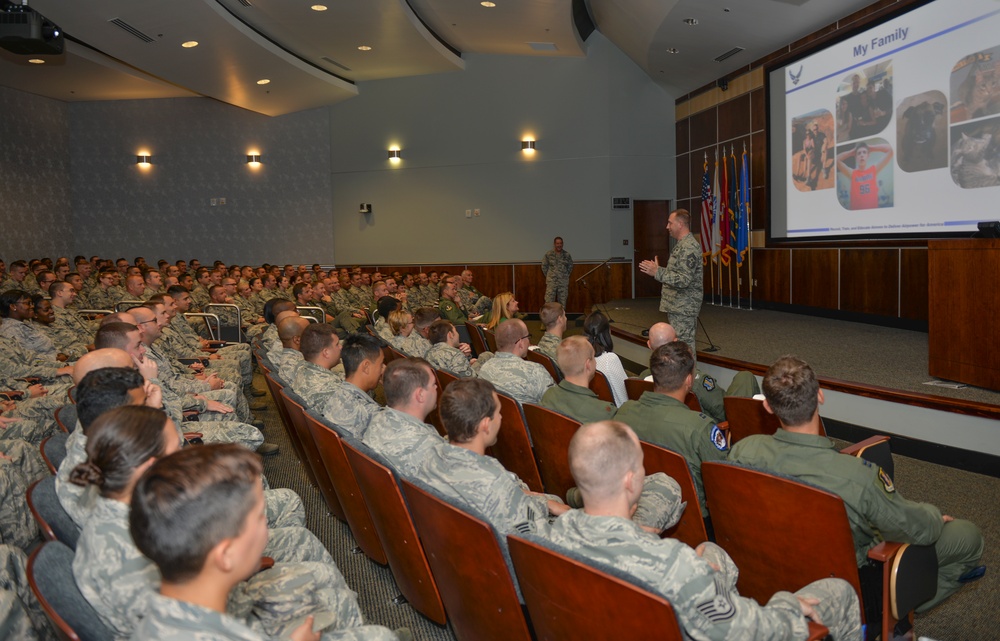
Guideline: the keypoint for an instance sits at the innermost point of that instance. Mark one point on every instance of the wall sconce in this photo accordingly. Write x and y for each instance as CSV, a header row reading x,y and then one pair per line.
x,y
395,155
528,146
144,160
253,160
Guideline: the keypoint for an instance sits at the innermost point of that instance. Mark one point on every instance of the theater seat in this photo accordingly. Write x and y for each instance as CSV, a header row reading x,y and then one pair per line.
x,y
50,575
53,521
551,433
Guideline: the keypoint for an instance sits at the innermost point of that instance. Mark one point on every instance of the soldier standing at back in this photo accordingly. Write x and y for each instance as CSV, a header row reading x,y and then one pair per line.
x,y
557,265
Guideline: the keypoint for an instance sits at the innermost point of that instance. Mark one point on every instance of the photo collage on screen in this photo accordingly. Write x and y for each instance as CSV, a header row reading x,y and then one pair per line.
x,y
975,127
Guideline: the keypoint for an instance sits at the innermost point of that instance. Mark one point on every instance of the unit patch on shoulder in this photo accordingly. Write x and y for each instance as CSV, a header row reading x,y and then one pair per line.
x,y
709,383
719,439
886,481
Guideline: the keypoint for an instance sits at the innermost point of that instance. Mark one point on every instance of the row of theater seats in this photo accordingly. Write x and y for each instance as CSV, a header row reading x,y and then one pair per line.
x,y
777,543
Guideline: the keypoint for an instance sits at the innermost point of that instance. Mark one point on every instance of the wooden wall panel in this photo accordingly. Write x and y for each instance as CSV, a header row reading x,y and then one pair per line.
x,y
704,129
682,129
869,281
758,160
913,291
758,110
684,182
734,118
493,279
814,278
771,275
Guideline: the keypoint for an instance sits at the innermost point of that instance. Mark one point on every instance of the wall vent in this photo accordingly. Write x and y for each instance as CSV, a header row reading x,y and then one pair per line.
x,y
729,54
124,26
621,203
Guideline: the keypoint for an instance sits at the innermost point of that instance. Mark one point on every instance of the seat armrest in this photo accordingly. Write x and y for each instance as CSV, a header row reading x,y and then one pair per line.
x,y
884,551
266,563
857,448
191,361
190,436
817,632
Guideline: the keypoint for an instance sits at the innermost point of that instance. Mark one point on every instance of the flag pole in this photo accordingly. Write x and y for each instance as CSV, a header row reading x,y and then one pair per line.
x,y
709,233
749,249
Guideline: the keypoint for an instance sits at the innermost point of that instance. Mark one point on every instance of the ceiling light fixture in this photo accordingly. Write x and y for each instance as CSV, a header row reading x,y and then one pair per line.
x,y
190,44
673,50
36,61
318,7
264,81
691,21
364,48
488,4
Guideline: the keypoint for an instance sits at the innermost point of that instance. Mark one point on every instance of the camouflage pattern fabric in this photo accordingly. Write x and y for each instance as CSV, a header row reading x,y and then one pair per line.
x,y
557,267
350,408
403,440
525,381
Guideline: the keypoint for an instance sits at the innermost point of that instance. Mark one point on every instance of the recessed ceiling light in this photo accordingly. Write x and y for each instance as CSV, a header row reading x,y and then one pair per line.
x,y
673,50
364,48
691,21
318,7
487,3
36,61
263,81
189,44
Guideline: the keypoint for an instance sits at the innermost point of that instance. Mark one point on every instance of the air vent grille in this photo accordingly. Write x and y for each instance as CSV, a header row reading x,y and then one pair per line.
x,y
729,54
621,203
124,26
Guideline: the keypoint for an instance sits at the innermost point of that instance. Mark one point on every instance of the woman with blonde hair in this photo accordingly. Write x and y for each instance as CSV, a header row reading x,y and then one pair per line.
x,y
504,308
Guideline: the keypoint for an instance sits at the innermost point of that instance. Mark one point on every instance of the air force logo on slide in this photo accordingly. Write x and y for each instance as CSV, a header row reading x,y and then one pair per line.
x,y
795,77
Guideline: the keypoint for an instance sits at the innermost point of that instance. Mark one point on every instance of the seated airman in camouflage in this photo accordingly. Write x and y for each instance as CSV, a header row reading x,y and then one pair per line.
x,y
710,393
399,432
70,332
42,318
384,308
350,405
316,377
508,370
21,615
17,310
418,343
20,466
474,302
289,359
606,461
553,318
153,283
445,353
135,287
205,588
573,396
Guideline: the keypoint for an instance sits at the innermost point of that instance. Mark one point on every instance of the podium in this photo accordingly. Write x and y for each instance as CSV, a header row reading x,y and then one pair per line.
x,y
964,311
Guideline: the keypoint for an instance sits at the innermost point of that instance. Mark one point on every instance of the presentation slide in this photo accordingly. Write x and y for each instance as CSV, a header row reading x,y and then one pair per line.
x,y
894,131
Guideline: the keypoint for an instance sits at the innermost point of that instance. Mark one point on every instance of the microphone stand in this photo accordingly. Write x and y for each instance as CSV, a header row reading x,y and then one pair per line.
x,y
583,281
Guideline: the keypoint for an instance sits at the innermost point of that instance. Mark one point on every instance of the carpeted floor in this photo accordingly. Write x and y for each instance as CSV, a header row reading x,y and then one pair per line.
x,y
967,615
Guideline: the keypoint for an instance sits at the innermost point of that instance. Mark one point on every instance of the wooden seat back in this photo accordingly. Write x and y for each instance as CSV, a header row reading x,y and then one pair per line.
x,y
50,575
491,340
398,534
331,452
634,387
691,528
551,433
66,417
513,447
275,388
476,338
313,461
534,356
599,385
568,598
746,417
469,566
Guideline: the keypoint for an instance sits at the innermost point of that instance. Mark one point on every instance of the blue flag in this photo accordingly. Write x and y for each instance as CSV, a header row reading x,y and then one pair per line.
x,y
743,216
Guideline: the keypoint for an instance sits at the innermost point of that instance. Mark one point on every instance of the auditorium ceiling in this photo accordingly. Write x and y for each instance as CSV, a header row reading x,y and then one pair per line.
x,y
281,56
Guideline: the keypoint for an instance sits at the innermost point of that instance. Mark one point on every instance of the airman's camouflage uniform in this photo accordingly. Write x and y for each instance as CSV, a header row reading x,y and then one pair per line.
x,y
403,440
683,288
557,268
548,344
525,381
315,384
350,408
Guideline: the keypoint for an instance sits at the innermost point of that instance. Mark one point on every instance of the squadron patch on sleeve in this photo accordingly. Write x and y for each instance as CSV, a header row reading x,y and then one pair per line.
x,y
886,481
708,382
719,439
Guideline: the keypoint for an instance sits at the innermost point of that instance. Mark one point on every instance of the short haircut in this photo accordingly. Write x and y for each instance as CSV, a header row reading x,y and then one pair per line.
x,y
56,288
464,404
671,364
398,320
402,377
509,332
215,288
275,306
600,454
298,289
358,348
572,355
316,338
438,331
550,314
188,502
387,305
176,291
684,217
424,316
791,390
113,334
102,390
597,329
119,441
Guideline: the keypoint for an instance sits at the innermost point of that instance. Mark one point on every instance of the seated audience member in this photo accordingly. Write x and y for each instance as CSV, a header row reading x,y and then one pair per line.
x,y
875,508
504,308
398,432
710,394
16,310
68,330
573,396
662,418
315,379
553,318
508,370
422,319
289,359
451,302
474,303
21,615
606,461
444,353
470,411
598,331
209,557
349,405
386,305
401,325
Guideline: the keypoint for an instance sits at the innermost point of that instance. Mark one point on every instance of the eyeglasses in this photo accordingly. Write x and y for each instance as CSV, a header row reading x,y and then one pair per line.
x,y
528,337
151,320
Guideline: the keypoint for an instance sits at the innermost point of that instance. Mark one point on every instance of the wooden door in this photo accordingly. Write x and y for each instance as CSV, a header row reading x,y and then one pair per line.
x,y
649,231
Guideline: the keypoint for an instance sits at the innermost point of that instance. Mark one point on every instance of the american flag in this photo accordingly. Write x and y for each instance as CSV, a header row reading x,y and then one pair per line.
x,y
706,216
